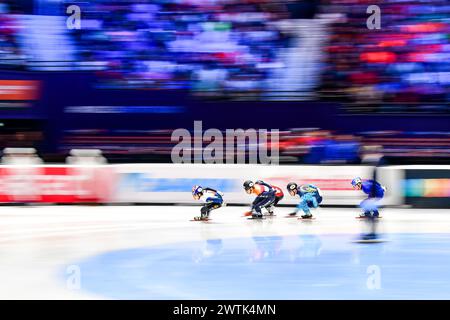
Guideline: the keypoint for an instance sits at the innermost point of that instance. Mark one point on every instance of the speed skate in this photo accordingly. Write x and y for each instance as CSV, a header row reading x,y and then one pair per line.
x,y
201,220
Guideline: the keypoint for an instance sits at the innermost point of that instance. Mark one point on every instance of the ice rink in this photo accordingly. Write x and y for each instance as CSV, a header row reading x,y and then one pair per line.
x,y
155,252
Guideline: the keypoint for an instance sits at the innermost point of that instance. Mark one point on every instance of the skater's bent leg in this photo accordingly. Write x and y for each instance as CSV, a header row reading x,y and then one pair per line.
x,y
207,208
269,204
262,201
277,199
257,211
303,206
204,211
270,208
369,205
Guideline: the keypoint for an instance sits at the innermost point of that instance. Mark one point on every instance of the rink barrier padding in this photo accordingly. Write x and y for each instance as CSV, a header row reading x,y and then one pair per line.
x,y
56,184
172,183
164,183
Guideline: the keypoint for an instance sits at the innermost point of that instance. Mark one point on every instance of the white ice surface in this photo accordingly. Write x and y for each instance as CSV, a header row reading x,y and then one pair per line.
x,y
36,243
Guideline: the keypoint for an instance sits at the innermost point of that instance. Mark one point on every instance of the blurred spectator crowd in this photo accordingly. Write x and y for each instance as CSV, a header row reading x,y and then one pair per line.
x,y
209,47
402,67
310,146
214,47
253,47
200,45
249,47
11,55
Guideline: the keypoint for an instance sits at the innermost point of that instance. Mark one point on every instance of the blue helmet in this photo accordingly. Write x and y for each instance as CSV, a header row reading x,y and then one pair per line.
x,y
197,190
356,181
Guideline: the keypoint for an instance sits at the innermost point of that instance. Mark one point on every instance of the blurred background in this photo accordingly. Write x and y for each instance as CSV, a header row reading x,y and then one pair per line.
x,y
339,92
87,115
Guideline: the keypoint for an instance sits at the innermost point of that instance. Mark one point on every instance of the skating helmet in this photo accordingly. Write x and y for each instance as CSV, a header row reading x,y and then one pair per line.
x,y
197,190
356,181
292,186
248,184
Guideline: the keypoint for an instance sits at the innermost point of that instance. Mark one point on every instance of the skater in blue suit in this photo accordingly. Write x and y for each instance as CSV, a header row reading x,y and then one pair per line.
x,y
310,197
374,191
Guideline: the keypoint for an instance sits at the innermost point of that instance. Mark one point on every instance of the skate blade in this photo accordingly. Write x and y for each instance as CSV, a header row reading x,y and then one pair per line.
x,y
370,241
363,218
306,219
